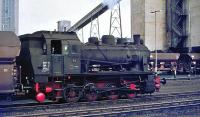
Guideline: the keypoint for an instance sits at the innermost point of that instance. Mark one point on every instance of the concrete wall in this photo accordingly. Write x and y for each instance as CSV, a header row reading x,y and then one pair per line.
x,y
138,17
1,15
194,24
143,22
152,5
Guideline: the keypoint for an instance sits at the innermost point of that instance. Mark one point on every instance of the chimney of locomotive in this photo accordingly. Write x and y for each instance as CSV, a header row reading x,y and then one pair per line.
x,y
136,39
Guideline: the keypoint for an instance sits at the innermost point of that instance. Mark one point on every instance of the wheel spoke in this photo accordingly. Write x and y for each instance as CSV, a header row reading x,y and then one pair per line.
x,y
91,92
72,94
112,94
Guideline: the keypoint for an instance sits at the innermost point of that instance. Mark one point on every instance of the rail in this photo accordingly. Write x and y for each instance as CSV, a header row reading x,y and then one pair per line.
x,y
99,107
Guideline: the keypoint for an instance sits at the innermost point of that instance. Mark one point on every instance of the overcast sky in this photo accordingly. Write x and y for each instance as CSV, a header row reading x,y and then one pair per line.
x,y
38,15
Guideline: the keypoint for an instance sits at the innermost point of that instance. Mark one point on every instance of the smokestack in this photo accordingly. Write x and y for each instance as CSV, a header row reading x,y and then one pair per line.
x,y
136,39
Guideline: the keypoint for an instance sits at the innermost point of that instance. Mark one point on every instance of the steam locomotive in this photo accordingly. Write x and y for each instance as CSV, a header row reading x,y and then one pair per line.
x,y
57,66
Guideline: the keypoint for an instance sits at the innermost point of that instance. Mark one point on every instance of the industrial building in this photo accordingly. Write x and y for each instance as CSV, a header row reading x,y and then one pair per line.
x,y
194,25
9,15
177,23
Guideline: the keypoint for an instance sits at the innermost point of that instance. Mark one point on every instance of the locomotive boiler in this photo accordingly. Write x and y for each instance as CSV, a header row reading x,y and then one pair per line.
x,y
116,56
57,66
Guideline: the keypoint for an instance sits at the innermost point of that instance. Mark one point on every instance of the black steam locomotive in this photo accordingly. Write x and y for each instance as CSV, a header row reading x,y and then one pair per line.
x,y
57,66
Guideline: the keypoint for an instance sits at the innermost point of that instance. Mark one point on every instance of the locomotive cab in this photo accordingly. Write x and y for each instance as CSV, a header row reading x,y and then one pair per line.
x,y
65,57
47,59
51,53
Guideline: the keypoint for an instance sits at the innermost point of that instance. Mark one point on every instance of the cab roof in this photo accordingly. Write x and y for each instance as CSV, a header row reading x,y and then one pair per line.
x,y
52,35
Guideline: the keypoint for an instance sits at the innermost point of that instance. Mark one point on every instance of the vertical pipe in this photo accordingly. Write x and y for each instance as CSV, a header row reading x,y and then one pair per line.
x,y
120,19
98,27
91,28
156,60
110,23
20,75
82,36
189,25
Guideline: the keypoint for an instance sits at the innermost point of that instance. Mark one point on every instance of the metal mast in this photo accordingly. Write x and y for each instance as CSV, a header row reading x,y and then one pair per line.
x,y
94,28
115,21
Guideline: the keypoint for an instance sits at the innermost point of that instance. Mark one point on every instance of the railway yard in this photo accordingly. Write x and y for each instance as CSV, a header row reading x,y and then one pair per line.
x,y
57,73
179,97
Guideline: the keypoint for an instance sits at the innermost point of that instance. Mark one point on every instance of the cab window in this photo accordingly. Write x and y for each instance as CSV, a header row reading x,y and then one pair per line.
x,y
56,47
75,49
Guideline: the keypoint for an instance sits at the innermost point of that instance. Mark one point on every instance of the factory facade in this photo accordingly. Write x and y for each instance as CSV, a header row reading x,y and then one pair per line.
x,y
177,23
194,23
9,15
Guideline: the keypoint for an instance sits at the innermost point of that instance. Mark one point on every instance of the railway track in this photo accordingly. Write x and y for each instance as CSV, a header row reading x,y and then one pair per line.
x,y
153,107
103,107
